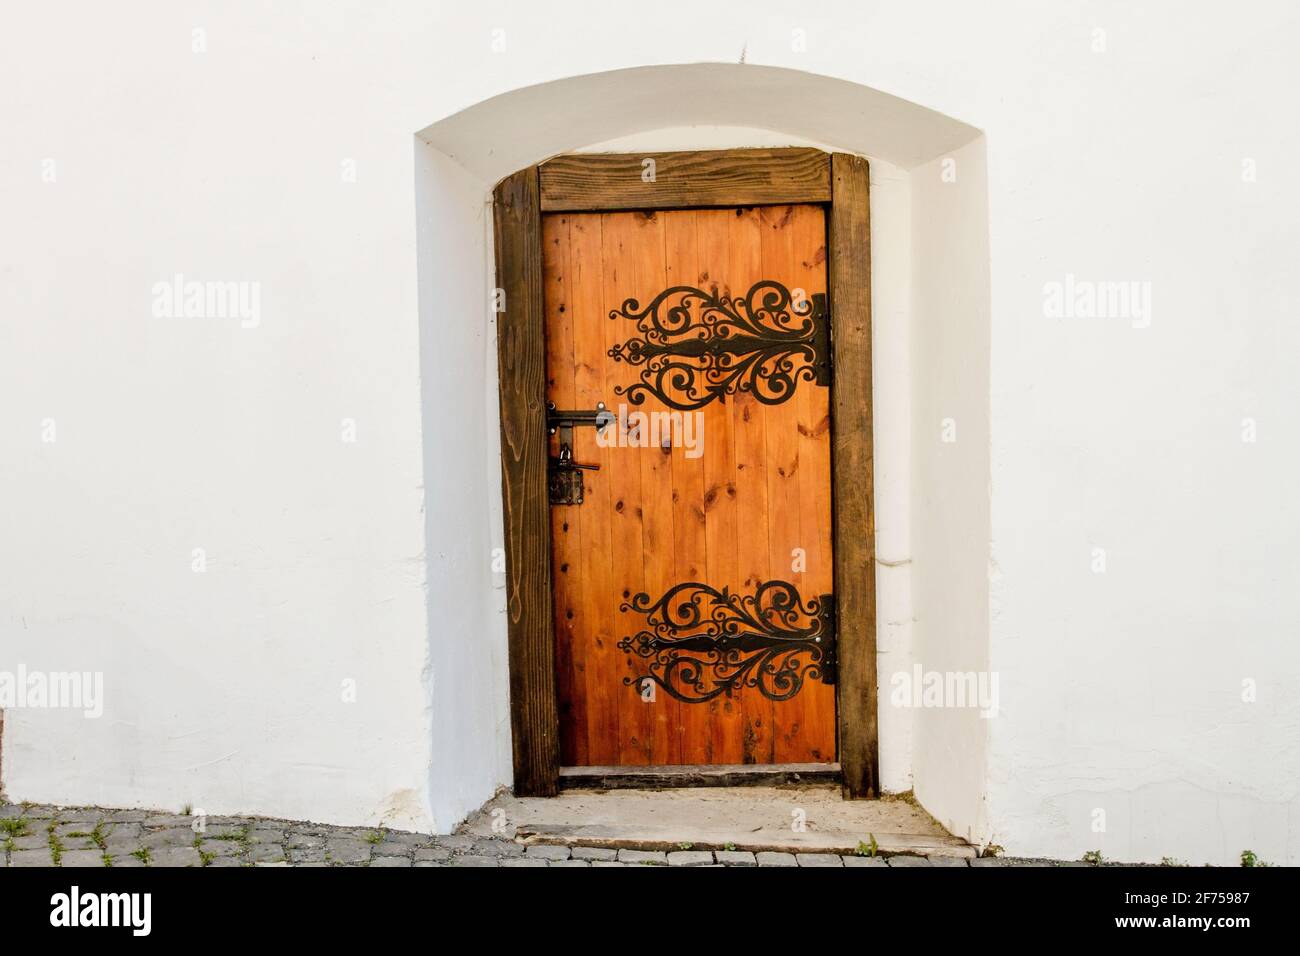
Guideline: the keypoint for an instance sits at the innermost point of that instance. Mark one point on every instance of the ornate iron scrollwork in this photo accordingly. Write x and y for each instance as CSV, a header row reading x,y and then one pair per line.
x,y
703,346
701,642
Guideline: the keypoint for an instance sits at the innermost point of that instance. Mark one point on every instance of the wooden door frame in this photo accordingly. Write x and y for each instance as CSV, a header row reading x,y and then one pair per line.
x,y
605,182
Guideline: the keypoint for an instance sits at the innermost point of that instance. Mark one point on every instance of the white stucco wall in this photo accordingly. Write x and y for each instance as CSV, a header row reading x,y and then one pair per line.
x,y
370,560
950,508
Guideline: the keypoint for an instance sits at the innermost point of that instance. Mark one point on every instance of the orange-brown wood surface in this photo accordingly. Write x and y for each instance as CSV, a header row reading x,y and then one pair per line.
x,y
754,506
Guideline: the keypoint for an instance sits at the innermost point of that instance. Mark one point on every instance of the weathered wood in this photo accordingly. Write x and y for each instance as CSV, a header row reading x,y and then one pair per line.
x,y
585,301
727,178
803,728
720,507
739,177
628,244
753,506
814,468
717,775
521,354
570,584
851,417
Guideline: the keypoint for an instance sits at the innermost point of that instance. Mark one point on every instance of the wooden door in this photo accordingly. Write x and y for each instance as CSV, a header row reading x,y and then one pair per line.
x,y
693,601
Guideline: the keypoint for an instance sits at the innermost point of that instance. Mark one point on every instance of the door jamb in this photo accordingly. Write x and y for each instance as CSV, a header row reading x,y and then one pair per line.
x,y
609,182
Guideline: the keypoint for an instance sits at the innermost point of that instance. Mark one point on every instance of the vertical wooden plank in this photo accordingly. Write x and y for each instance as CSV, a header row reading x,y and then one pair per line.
x,y
725,741
602,662
571,623
793,503
690,542
753,541
852,474
814,424
623,251
780,423
657,511
521,359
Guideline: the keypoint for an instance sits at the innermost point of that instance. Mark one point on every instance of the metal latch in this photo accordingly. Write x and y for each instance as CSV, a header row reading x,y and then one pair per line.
x,y
564,475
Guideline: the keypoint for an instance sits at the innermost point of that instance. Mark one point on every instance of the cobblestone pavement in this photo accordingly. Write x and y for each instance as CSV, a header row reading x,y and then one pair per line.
x,y
95,837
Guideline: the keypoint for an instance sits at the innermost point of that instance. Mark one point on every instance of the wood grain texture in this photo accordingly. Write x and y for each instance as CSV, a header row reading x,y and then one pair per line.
x,y
521,357
743,177
725,743
585,297
628,248
798,479
686,488
852,475
730,514
570,607
809,243
745,267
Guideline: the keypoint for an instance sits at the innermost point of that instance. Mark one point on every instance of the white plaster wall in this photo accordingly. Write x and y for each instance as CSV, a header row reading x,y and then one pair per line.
x,y
224,689
950,504
468,674
1121,691
892,263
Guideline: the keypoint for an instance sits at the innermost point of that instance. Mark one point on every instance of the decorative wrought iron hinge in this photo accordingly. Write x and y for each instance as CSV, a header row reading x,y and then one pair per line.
x,y
564,475
701,642
698,347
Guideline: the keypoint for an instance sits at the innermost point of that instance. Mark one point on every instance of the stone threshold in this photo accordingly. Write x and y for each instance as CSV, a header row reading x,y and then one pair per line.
x,y
634,838
803,819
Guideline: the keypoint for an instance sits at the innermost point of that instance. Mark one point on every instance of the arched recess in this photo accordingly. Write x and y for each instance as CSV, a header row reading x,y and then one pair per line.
x,y
930,257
